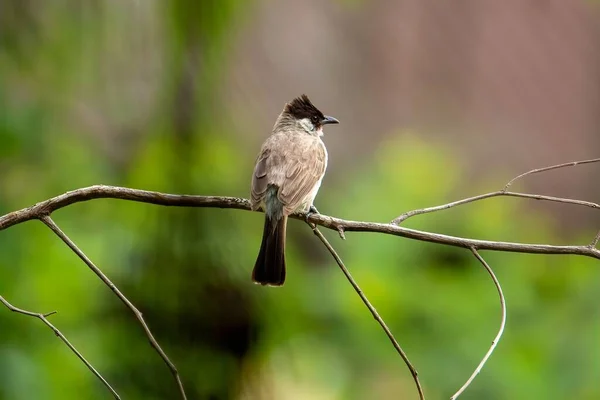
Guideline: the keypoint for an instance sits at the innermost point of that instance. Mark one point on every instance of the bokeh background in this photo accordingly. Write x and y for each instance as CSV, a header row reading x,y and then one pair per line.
x,y
437,101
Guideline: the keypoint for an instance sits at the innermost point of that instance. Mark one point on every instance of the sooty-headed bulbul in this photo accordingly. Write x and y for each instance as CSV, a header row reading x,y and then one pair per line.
x,y
286,179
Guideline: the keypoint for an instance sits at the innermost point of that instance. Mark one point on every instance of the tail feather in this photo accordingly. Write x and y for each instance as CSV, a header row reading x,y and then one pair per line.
x,y
270,263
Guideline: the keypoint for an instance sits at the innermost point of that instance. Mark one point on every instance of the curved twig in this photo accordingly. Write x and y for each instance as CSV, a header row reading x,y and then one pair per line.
x,y
500,331
58,333
557,166
52,225
372,309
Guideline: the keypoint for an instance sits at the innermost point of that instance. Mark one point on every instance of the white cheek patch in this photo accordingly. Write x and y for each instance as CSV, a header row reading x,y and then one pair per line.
x,y
307,125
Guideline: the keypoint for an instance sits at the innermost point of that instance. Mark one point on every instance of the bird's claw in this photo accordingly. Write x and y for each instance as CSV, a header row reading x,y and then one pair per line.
x,y
312,210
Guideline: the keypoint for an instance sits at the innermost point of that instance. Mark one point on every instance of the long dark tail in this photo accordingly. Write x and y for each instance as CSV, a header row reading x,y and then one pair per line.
x,y
270,264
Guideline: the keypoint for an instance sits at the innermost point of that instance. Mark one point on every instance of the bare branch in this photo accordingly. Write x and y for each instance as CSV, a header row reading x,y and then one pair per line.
x,y
44,319
537,170
100,191
411,213
372,309
114,192
52,225
505,192
500,331
595,241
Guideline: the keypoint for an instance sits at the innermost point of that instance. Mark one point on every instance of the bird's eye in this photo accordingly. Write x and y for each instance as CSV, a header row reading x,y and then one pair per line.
x,y
315,119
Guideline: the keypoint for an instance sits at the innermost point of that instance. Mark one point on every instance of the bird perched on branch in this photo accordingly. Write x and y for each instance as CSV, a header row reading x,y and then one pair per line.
x,y
286,179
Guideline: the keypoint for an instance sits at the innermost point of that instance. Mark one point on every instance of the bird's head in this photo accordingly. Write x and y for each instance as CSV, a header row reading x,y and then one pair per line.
x,y
301,114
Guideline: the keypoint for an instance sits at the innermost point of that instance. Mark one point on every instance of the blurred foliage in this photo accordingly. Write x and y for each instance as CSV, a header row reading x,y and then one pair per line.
x,y
188,269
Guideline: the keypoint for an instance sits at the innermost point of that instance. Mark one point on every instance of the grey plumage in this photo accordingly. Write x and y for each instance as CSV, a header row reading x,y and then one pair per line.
x,y
293,162
286,179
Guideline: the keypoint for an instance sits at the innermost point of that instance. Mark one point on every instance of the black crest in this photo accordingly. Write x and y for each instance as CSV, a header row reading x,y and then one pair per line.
x,y
301,107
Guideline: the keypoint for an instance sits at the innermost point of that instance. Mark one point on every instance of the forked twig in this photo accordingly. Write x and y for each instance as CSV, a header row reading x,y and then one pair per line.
x,y
58,333
500,331
52,225
505,192
372,309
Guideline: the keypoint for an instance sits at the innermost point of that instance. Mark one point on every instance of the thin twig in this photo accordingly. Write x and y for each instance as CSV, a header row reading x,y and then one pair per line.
x,y
144,196
537,170
500,331
505,192
372,309
52,225
595,241
44,319
412,213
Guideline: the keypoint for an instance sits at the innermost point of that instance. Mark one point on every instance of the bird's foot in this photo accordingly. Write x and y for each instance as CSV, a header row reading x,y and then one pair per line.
x,y
312,210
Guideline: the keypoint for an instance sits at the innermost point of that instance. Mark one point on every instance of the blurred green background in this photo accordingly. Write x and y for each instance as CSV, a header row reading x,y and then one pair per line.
x,y
437,102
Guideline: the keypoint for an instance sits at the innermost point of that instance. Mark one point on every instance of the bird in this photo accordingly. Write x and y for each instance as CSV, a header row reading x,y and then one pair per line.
x,y
286,178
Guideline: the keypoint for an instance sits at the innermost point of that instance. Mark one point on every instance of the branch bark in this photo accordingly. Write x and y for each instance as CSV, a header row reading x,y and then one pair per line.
x,y
340,225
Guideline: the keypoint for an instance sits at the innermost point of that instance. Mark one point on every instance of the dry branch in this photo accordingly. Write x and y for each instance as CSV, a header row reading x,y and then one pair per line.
x,y
372,309
337,224
44,319
403,217
550,168
504,192
595,241
52,225
500,330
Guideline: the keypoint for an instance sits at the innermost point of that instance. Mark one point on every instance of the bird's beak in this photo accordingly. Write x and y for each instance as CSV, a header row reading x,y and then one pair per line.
x,y
329,120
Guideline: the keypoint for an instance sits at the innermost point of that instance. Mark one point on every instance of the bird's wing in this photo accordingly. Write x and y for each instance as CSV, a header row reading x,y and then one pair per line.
x,y
260,180
302,174
295,167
